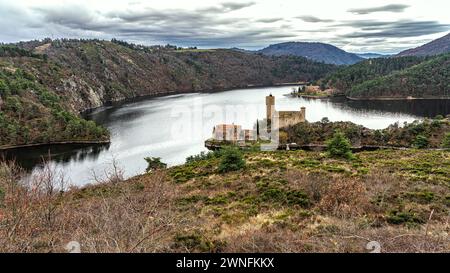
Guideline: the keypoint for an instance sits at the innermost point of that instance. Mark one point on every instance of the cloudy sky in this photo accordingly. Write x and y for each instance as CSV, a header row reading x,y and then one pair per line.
x,y
385,26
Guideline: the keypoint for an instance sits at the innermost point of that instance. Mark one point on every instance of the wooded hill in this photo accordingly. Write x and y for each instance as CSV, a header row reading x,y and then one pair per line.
x,y
77,75
347,77
401,77
320,52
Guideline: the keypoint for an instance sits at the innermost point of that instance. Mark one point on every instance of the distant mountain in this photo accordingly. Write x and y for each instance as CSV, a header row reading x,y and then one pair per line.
x,y
371,55
241,50
436,47
315,51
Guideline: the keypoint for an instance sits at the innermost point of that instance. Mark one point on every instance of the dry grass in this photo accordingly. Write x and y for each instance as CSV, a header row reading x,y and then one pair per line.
x,y
136,216
274,205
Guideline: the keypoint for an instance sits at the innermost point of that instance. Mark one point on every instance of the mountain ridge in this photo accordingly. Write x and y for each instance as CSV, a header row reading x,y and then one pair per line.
x,y
372,55
435,47
313,50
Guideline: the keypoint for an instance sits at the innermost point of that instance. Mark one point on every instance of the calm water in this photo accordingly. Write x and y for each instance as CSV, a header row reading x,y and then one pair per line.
x,y
175,127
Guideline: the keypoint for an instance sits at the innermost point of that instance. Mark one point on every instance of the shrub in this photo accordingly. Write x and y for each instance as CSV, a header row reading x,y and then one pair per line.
x,y
201,156
345,197
295,197
3,88
154,163
197,242
231,160
397,217
446,141
339,146
421,142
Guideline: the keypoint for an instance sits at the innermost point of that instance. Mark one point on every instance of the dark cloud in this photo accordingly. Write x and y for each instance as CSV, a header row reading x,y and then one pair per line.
x,y
313,19
387,8
212,26
227,7
75,17
397,29
176,26
236,6
269,20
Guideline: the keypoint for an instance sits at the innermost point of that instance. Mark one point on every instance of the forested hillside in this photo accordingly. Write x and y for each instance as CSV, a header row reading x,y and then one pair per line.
x,y
347,77
400,77
46,84
30,113
430,79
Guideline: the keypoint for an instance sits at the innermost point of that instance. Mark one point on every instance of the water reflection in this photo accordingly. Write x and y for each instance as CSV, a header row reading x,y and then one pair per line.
x,y
32,157
420,108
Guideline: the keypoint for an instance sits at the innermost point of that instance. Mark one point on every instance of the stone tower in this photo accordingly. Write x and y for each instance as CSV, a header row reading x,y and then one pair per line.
x,y
303,114
270,109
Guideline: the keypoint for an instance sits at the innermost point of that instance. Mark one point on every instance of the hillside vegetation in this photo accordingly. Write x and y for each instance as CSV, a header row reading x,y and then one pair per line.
x,y
430,79
400,77
30,113
347,77
44,85
407,135
281,201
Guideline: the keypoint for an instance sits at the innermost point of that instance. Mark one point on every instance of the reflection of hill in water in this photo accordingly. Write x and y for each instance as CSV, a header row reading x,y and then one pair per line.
x,y
421,108
28,158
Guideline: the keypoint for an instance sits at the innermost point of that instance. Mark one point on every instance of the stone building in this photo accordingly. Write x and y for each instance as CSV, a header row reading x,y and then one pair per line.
x,y
280,119
229,132
232,132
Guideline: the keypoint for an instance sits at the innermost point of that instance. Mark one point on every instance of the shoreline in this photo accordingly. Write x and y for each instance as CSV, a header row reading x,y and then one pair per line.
x,y
69,142
87,112
396,98
322,147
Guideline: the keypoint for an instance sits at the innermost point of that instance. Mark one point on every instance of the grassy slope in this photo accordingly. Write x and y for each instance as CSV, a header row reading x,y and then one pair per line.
x,y
281,202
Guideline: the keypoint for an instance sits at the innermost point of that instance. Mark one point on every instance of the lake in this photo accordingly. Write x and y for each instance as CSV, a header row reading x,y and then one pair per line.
x,y
175,127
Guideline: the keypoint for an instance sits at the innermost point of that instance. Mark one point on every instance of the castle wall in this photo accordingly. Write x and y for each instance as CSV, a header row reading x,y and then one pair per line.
x,y
289,118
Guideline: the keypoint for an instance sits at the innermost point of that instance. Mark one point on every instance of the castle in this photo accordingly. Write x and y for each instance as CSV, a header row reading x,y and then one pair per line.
x,y
284,118
274,120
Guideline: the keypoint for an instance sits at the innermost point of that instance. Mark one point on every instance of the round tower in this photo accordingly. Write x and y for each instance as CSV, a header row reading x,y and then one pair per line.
x,y
270,106
270,109
303,113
